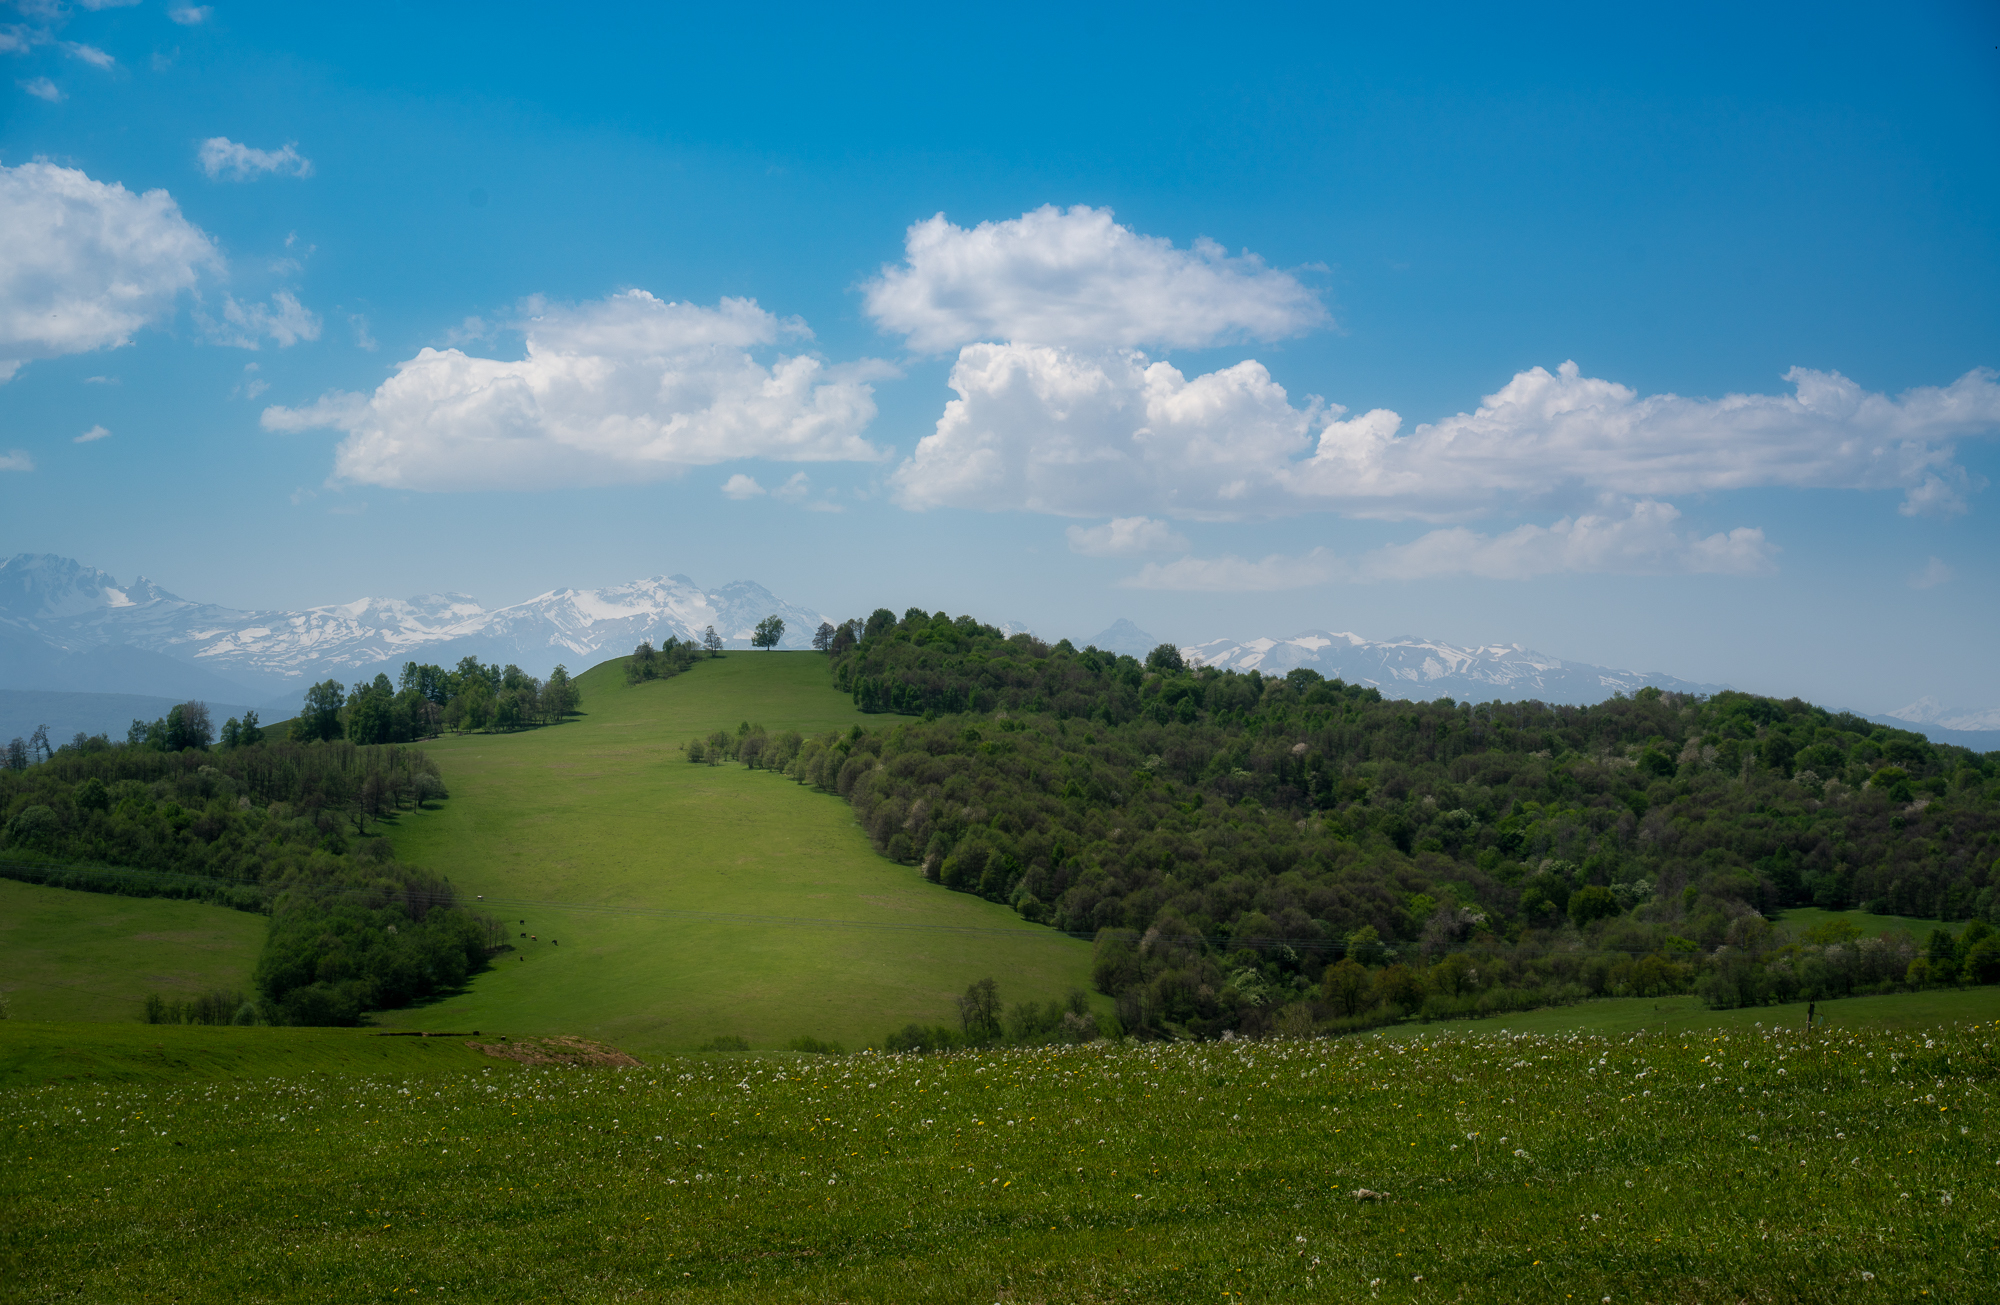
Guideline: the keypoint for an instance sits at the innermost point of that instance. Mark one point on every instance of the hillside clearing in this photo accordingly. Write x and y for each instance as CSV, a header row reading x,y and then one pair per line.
x,y
667,903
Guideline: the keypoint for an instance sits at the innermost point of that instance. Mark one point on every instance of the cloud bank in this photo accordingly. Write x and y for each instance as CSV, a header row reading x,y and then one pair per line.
x,y
1081,433
1077,278
84,264
1642,541
626,388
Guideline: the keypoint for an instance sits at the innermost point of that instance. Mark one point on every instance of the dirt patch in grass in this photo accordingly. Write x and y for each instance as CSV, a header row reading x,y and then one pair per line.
x,y
563,1050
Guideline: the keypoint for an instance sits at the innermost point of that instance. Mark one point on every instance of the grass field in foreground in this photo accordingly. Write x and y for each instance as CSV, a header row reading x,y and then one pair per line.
x,y
585,835
1620,1015
1677,1168
67,955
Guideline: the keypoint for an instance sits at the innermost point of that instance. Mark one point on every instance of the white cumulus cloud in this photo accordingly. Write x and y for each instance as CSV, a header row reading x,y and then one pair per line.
x,y
1079,278
1088,433
42,89
190,15
1045,429
84,264
219,155
18,460
740,487
1126,537
92,435
626,388
1643,540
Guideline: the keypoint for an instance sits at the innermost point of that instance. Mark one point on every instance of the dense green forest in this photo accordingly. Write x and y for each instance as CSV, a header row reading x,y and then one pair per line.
x,y
1238,844
273,826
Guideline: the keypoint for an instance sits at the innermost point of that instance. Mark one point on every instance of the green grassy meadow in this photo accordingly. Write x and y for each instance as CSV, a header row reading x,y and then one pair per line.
x,y
35,1053
670,903
1800,918
1730,1166
1929,1008
67,955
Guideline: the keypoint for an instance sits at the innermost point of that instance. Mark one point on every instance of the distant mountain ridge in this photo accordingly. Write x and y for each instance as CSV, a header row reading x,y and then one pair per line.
x,y
1928,711
1426,669
66,626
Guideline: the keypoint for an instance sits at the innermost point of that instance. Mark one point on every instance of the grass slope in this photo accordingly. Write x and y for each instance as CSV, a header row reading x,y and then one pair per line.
x,y
1733,1166
90,956
604,816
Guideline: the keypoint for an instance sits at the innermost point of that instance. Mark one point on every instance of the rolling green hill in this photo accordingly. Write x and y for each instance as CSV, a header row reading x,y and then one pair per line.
x,y
592,835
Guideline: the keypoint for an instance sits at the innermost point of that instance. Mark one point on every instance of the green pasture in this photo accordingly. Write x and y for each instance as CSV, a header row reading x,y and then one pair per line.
x,y
67,955
1624,1015
665,903
1737,1166
32,1053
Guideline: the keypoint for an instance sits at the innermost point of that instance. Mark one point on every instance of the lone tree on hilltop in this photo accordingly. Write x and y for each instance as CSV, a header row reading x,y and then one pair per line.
x,y
769,631
823,637
712,641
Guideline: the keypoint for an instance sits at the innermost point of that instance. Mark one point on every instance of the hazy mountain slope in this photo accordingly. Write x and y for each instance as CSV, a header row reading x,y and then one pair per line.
x,y
1928,711
1124,637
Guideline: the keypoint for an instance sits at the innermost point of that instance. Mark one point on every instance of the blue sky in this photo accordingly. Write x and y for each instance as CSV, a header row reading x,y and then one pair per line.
x,y
689,311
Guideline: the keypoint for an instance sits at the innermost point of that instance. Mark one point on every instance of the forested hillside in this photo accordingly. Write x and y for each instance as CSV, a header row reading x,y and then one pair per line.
x,y
281,827
1229,837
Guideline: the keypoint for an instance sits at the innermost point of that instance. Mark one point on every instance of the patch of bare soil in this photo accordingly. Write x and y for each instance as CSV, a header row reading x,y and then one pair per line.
x,y
565,1050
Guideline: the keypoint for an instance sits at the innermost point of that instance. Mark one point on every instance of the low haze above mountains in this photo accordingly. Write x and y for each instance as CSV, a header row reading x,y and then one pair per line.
x,y
71,629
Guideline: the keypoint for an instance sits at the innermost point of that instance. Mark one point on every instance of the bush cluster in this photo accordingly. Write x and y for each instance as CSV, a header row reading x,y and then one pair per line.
x,y
278,827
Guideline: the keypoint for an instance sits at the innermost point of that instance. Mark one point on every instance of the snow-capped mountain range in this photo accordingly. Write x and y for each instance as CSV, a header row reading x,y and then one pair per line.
x,y
1928,711
67,627
1410,668
64,625
1426,669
